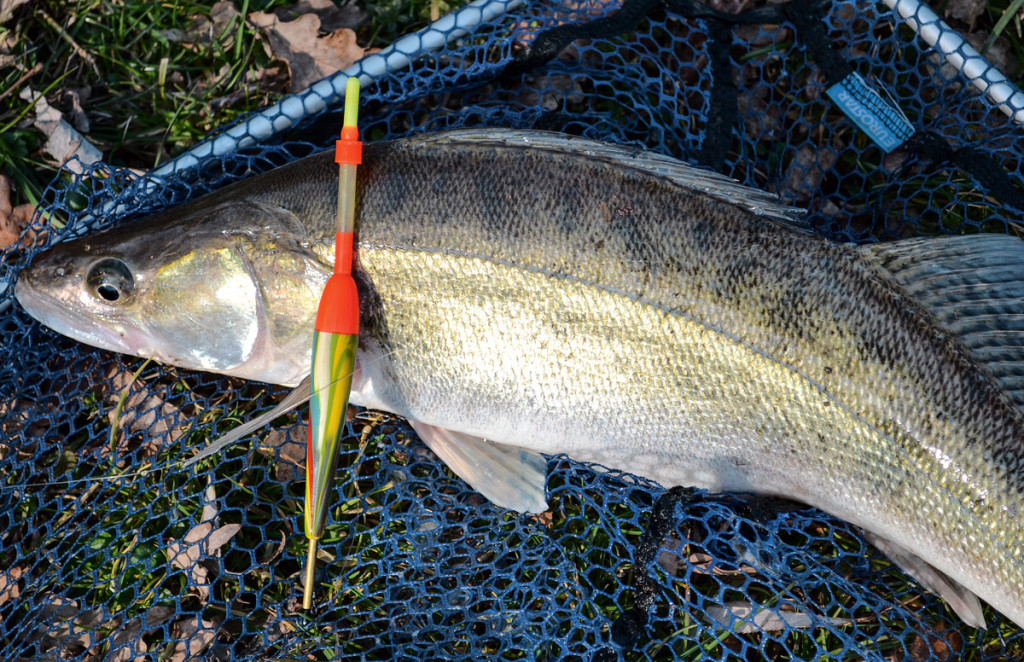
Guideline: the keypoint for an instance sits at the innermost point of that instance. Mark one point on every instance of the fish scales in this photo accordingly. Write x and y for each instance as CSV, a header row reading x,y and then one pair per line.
x,y
825,379
557,296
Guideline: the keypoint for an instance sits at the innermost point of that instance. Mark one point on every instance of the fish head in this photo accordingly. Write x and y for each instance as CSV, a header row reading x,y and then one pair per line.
x,y
185,292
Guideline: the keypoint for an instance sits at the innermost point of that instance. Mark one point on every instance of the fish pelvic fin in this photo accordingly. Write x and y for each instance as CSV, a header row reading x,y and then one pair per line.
x,y
509,476
974,288
960,600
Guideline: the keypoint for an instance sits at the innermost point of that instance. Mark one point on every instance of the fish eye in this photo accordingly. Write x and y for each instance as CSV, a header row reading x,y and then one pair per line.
x,y
111,280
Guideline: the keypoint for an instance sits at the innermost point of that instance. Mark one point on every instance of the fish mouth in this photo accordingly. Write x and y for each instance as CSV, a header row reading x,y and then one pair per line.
x,y
62,318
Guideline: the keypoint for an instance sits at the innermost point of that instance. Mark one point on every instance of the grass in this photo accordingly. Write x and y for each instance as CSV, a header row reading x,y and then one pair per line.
x,y
112,536
144,95
147,97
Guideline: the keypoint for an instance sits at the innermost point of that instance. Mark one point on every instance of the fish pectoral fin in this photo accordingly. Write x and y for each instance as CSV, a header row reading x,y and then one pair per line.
x,y
510,477
298,396
960,600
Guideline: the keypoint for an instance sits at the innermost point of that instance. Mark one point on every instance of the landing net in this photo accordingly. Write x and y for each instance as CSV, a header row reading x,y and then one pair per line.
x,y
108,550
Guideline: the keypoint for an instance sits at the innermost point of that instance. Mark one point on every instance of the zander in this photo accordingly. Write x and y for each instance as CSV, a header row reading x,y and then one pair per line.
x,y
557,295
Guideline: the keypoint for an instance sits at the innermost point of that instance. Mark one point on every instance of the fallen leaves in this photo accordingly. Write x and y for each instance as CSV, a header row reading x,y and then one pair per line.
x,y
95,631
127,643
63,621
807,170
745,618
203,61
291,447
298,42
7,8
288,445
62,140
13,220
204,31
201,541
332,17
937,645
10,583
142,412
965,10
191,636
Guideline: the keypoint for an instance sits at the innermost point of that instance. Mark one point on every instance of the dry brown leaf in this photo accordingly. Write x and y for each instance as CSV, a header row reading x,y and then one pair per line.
x,y
142,412
332,17
62,141
893,161
7,8
221,537
131,653
9,584
192,638
942,646
14,219
126,643
807,170
291,445
78,117
68,625
16,427
746,618
965,10
210,508
183,555
310,57
156,616
202,540
132,647
222,16
276,553
203,31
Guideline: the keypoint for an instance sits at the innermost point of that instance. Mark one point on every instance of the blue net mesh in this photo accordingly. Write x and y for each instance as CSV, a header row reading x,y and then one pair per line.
x,y
109,550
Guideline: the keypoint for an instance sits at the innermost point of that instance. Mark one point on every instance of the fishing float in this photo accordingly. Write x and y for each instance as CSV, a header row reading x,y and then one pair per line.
x,y
335,336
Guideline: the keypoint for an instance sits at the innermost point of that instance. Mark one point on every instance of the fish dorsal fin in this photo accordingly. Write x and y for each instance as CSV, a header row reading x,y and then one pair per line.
x,y
974,286
696,179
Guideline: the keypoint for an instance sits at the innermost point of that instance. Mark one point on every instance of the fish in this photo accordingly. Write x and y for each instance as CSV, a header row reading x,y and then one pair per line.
x,y
526,293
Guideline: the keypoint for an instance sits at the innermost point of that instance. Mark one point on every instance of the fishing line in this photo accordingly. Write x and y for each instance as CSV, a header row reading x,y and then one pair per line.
x,y
218,445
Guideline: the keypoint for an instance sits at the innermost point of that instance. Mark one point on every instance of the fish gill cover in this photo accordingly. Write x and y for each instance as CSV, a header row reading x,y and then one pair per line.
x,y
109,550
